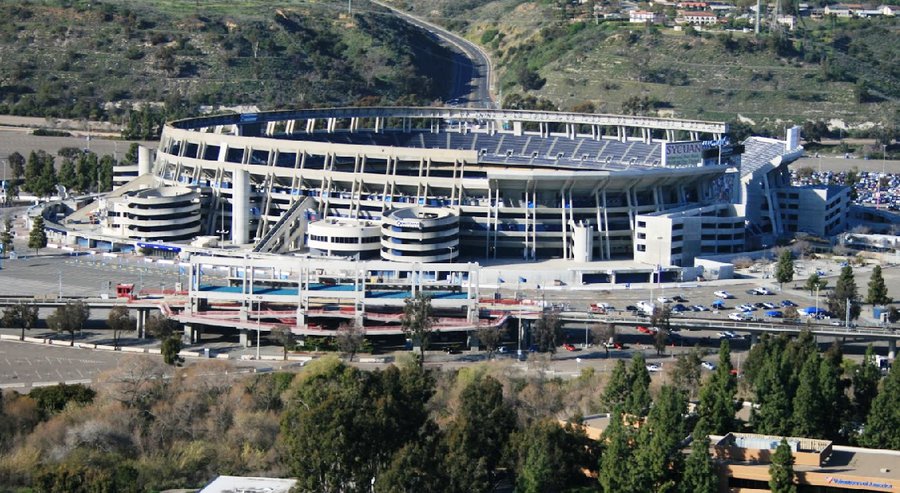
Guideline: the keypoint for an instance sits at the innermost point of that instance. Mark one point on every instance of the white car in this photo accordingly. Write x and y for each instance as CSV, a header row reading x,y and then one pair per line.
x,y
724,295
762,291
739,316
726,335
663,299
653,367
701,308
746,307
770,306
709,366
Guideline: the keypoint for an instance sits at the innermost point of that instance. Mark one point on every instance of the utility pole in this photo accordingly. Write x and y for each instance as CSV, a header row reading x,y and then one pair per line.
x,y
758,9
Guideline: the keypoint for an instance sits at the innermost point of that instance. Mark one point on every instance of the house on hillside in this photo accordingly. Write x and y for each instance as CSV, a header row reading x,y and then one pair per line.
x,y
788,21
692,5
701,18
644,16
889,10
843,9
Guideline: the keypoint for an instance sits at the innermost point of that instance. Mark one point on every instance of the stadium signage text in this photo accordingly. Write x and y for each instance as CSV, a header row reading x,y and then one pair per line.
x,y
864,484
682,153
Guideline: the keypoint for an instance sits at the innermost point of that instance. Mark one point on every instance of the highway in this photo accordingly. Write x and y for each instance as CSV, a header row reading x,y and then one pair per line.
x,y
473,72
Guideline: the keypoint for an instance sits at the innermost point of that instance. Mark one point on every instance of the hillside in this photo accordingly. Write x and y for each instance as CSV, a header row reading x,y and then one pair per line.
x,y
100,59
842,69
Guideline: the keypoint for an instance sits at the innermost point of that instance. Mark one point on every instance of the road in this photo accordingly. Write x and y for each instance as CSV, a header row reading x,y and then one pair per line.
x,y
473,72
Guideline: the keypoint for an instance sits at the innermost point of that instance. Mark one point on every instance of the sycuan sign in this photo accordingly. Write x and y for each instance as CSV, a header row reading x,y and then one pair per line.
x,y
860,484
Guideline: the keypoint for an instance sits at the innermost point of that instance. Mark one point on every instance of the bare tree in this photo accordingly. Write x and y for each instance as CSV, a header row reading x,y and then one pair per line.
x,y
119,320
417,322
350,339
490,337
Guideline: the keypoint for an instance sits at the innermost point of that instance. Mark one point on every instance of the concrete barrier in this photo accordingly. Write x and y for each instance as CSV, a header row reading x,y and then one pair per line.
x,y
377,359
134,350
154,350
44,384
104,347
268,357
12,385
190,354
84,381
300,358
34,339
85,345
223,356
8,337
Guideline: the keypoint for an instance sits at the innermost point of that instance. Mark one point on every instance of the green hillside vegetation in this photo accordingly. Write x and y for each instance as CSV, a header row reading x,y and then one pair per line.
x,y
102,59
830,68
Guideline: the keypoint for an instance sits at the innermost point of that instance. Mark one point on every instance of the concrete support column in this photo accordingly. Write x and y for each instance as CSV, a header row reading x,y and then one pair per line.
x,y
517,129
622,134
354,124
144,163
244,338
270,128
141,323
754,339
378,124
332,125
892,348
695,136
240,207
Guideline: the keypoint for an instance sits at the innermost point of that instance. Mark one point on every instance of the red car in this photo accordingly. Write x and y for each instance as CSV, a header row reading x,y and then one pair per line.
x,y
569,347
643,330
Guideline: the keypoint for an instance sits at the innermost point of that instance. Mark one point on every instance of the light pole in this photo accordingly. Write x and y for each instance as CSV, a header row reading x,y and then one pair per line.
x,y
659,265
258,329
60,284
817,300
222,232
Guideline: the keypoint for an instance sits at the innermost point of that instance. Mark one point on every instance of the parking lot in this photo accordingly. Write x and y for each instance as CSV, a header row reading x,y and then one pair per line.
x,y
25,365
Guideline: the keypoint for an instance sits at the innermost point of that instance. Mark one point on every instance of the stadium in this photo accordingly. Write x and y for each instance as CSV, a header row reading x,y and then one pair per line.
x,y
484,184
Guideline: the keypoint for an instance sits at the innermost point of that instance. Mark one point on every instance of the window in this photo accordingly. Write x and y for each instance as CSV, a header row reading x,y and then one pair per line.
x,y
642,236
677,238
641,248
642,224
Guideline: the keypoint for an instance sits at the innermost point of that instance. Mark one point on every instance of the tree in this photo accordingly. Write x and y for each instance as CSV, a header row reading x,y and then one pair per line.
x,y
813,131
17,165
832,391
844,293
478,436
67,177
22,315
69,318
781,470
617,388
808,411
658,455
814,283
686,375
784,269
170,348
283,335
877,294
490,338
6,237
700,475
416,466
547,333
417,322
865,384
637,402
716,405
617,463
549,457
37,239
161,326
120,320
661,319
350,339
883,424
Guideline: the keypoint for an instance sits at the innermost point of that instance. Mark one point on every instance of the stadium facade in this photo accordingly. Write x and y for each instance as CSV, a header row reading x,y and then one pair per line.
x,y
449,182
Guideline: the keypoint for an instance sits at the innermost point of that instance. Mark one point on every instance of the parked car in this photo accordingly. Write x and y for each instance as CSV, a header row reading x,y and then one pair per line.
x,y
774,313
761,291
770,306
569,347
452,350
709,366
502,350
613,345
739,316
631,308
701,308
644,330
787,303
663,299
653,367
746,307
726,335
679,308
679,299
724,295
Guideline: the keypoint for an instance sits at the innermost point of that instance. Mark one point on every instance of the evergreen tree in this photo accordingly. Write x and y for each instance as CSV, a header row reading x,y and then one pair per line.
x,y
716,405
686,375
831,390
617,387
808,413
37,238
658,455
16,165
106,167
548,457
844,292
22,315
547,332
883,424
784,270
478,436
877,294
67,175
416,466
617,463
865,384
815,282
6,237
700,475
781,470
69,318
637,402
